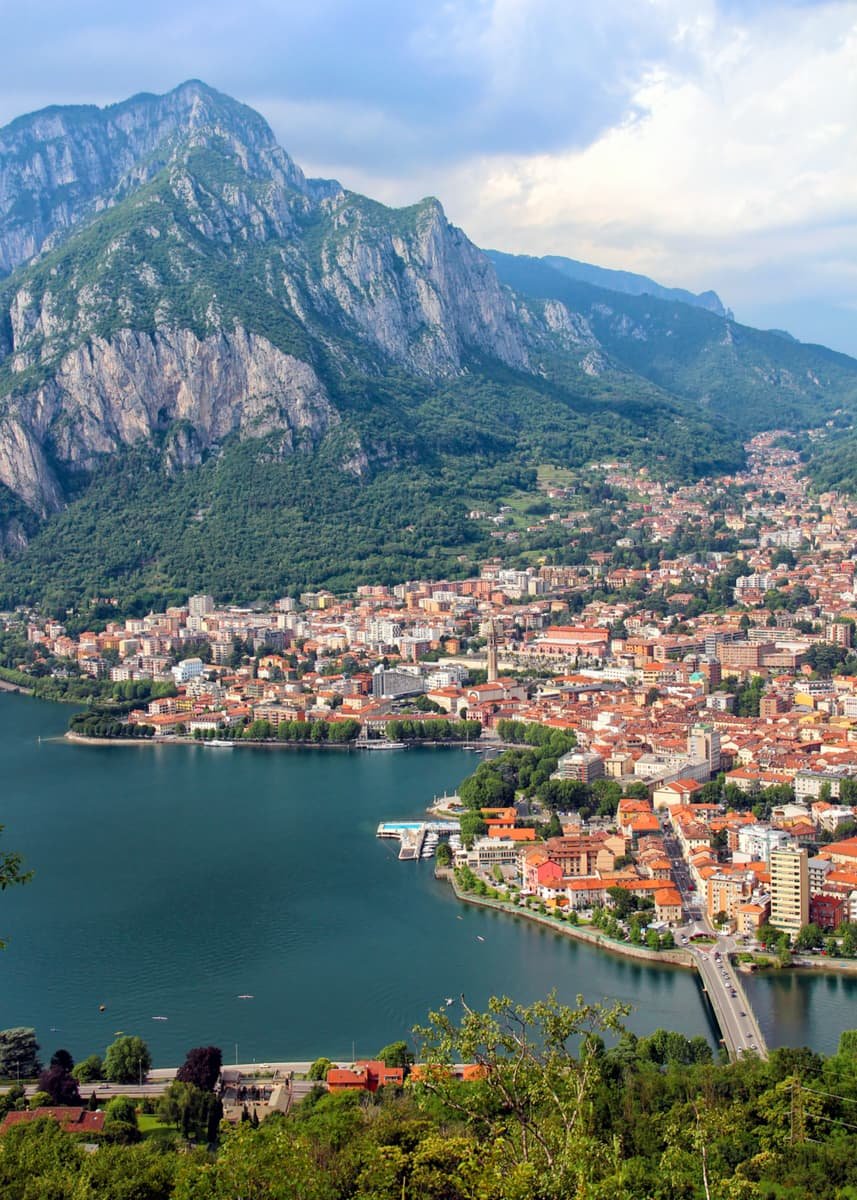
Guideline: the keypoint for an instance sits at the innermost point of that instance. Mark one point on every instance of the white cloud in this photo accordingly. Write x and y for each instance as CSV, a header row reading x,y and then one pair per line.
x,y
709,143
736,169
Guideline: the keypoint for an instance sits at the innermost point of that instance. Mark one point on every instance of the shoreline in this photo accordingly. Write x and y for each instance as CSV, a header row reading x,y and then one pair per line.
x,y
7,686
84,739
674,958
835,966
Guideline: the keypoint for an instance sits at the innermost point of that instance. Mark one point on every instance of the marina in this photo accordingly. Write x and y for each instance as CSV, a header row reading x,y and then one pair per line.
x,y
418,839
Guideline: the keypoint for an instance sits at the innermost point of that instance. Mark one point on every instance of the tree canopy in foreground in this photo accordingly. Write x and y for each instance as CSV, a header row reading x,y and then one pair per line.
x,y
565,1104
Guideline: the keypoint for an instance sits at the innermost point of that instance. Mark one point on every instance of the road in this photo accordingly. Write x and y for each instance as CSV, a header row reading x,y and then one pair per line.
x,y
157,1080
738,1025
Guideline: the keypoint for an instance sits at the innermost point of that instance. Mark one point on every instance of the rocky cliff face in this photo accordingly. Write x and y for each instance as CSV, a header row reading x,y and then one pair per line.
x,y
415,288
185,273
113,393
406,285
61,166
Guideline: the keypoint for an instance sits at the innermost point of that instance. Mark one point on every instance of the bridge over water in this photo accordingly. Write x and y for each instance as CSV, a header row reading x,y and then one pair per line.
x,y
723,987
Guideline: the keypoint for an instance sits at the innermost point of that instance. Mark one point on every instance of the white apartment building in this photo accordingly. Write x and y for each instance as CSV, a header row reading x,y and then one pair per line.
x,y
789,889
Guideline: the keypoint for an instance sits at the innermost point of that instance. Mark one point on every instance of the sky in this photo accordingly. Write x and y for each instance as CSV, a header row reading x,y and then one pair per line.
x,y
706,143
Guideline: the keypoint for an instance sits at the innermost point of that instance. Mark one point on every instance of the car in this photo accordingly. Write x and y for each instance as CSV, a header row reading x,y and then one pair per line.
x,y
743,1014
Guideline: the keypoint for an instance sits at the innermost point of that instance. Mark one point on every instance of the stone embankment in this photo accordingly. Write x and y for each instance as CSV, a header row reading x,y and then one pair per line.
x,y
676,958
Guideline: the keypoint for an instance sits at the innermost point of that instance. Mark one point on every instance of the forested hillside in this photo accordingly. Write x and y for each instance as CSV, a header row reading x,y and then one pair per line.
x,y
216,373
568,1107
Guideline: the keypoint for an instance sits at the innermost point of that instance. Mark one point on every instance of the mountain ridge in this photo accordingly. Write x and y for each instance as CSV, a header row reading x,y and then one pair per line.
x,y
634,284
195,293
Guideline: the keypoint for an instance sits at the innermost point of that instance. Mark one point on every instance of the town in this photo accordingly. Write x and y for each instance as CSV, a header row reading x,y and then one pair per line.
x,y
704,705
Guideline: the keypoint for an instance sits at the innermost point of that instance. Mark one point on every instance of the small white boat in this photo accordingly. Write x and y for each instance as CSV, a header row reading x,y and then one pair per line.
x,y
449,1000
160,1018
219,744
480,938
245,996
380,745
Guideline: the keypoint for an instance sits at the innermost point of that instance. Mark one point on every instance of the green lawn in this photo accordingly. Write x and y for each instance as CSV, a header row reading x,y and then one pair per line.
x,y
150,1126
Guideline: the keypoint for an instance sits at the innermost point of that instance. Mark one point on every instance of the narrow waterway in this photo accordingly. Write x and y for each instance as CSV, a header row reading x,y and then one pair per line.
x,y
172,880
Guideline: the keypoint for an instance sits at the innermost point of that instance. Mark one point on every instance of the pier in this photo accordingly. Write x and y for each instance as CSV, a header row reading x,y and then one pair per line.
x,y
412,834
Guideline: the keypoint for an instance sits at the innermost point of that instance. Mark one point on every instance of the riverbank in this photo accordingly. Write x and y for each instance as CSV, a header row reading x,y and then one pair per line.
x,y
675,958
829,966
768,965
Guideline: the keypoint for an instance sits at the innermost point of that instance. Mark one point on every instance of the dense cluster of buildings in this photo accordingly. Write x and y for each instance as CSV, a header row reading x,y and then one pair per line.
x,y
650,674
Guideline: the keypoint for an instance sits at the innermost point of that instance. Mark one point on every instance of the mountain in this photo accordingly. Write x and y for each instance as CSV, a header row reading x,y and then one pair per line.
x,y
747,377
633,285
63,165
215,372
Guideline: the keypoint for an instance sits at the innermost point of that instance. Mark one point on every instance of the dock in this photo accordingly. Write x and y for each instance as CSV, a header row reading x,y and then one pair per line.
x,y
412,834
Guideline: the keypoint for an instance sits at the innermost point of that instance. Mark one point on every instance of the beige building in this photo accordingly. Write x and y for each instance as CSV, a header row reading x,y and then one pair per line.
x,y
789,889
725,890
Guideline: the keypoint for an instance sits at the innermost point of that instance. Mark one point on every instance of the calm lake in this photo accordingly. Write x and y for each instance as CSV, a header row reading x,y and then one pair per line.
x,y
171,880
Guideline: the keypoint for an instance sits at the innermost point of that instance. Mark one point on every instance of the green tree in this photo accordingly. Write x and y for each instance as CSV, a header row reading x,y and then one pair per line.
x,y
810,937
196,1113
848,1043
318,1070
535,1091
19,1053
623,900
120,1121
14,1098
89,1070
11,872
443,854
396,1054
471,826
127,1060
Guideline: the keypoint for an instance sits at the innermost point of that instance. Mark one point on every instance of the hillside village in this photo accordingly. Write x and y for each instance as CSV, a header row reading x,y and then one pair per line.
x,y
716,691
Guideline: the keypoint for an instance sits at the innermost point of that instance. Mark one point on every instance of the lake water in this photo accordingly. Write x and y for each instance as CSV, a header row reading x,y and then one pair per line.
x,y
170,880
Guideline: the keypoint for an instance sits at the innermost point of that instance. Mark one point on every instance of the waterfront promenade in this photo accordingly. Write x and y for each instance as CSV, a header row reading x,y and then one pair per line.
x,y
738,1025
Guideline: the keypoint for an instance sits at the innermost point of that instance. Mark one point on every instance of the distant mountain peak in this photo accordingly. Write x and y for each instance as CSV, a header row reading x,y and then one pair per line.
x,y
634,285
60,165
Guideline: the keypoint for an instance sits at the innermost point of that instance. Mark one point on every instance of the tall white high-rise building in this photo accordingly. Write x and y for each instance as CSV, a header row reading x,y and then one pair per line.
x,y
199,605
703,744
789,888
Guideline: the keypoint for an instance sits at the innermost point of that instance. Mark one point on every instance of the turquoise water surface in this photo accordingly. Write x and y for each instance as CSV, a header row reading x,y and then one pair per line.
x,y
171,880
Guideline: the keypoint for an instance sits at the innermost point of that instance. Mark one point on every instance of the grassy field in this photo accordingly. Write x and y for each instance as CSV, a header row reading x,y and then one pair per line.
x,y
150,1126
